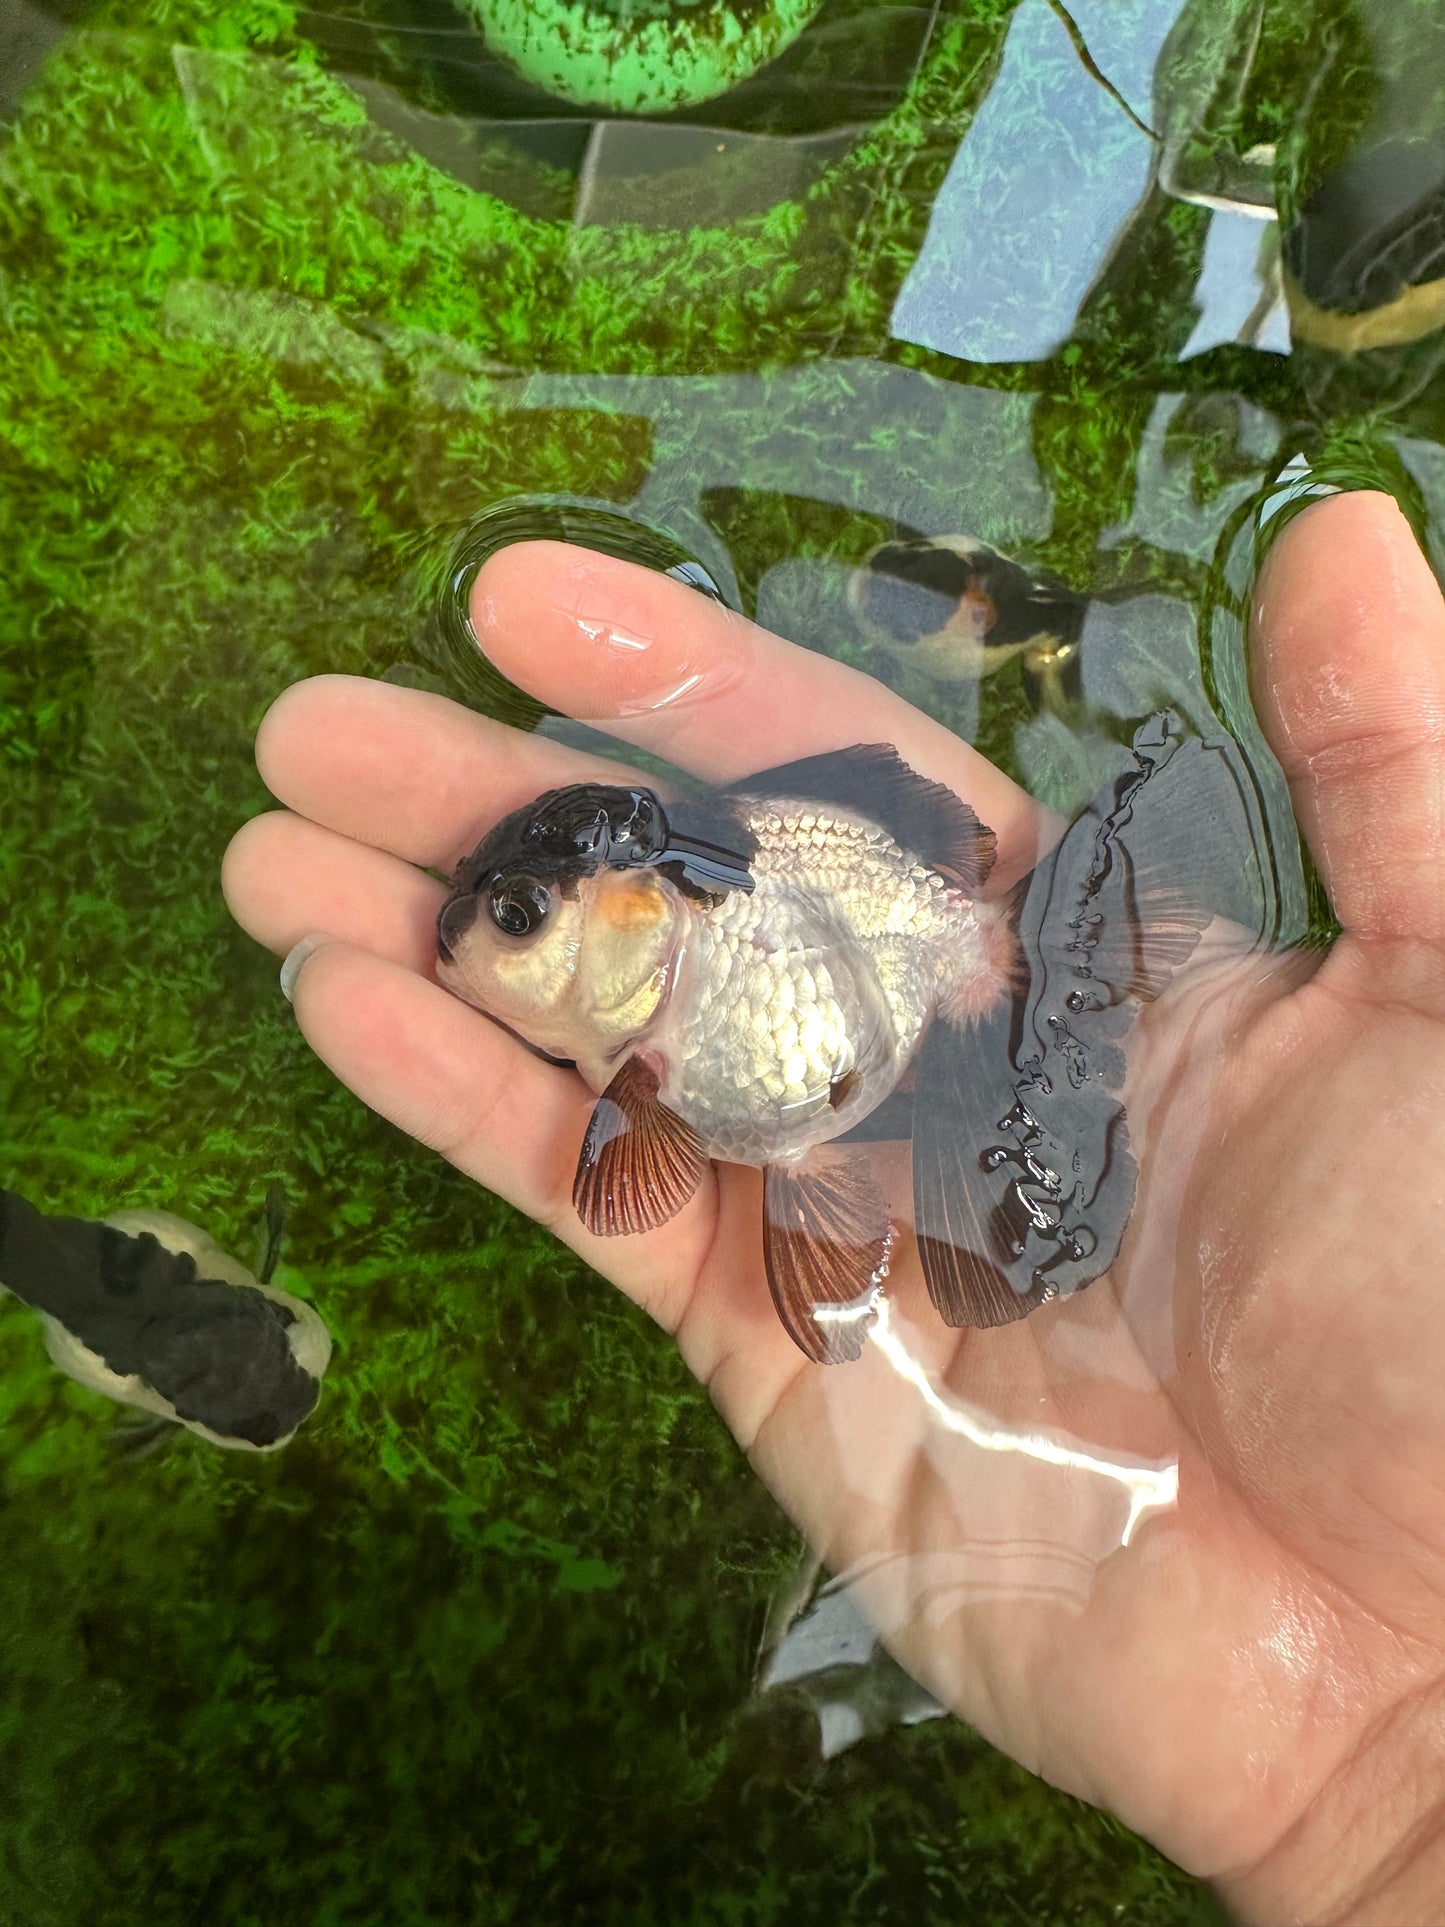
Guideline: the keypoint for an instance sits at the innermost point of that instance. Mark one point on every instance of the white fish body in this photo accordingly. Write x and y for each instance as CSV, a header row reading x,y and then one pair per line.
x,y
748,980
798,1006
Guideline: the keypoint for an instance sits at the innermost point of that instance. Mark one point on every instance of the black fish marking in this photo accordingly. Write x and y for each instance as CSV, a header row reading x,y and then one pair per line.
x,y
709,849
577,831
274,1217
1373,230
640,1163
873,780
912,589
567,833
1024,1180
215,1351
826,1242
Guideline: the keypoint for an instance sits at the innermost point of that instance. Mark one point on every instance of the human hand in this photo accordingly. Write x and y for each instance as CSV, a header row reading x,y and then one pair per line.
x,y
1249,1674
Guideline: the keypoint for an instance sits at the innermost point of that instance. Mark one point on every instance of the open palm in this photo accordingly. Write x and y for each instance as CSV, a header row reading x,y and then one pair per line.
x,y
1177,1543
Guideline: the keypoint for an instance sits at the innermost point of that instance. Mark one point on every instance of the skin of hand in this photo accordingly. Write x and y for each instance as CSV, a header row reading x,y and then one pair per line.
x,y
1256,1679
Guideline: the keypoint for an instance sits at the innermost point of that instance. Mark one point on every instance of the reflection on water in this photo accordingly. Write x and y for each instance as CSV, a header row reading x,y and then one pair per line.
x,y
1144,1487
1201,459
861,437
1013,249
819,1643
292,304
1240,294
835,64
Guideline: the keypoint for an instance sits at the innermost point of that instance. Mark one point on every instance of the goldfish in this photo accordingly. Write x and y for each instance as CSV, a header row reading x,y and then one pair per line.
x,y
149,1310
952,609
772,973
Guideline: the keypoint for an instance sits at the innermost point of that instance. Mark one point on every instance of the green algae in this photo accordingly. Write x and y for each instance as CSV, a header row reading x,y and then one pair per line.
x,y
479,1646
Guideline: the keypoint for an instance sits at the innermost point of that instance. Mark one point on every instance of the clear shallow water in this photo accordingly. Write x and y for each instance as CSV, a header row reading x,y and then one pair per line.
x,y
289,302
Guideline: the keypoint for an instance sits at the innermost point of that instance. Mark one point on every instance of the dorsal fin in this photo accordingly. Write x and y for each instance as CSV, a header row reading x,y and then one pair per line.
x,y
873,779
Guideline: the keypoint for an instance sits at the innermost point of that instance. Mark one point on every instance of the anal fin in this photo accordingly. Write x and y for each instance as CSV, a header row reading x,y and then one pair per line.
x,y
640,1162
826,1240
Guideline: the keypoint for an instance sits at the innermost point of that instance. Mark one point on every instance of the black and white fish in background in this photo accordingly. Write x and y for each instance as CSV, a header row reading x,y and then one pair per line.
x,y
149,1310
952,609
752,974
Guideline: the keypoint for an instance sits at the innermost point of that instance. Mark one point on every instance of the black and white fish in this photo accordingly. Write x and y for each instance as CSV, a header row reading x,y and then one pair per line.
x,y
149,1310
952,609
751,975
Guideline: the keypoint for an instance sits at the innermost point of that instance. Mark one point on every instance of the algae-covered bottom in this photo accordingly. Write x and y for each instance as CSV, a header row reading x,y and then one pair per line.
x,y
277,328
639,58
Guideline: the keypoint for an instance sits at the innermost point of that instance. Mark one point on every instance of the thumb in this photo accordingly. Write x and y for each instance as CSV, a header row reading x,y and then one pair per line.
x,y
1348,664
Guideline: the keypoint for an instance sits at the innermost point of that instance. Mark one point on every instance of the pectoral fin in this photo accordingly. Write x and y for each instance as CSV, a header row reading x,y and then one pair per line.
x,y
640,1162
826,1240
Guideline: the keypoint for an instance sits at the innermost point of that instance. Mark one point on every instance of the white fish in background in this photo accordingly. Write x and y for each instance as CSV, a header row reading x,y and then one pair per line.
x,y
149,1310
952,609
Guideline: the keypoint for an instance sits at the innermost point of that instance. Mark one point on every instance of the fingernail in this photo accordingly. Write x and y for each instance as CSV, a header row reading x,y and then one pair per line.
x,y
295,961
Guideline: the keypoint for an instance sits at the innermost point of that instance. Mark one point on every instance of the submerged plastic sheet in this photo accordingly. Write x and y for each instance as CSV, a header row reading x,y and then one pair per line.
x,y
1049,171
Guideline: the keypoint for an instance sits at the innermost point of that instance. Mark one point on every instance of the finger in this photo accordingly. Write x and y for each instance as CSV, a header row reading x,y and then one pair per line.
x,y
285,878
403,769
1348,641
460,1085
664,668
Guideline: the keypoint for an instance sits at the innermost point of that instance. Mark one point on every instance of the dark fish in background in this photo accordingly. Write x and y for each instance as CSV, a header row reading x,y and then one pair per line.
x,y
1365,257
149,1310
749,974
951,608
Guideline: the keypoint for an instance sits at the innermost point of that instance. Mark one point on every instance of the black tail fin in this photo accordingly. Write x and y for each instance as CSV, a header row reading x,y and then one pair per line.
x,y
1022,1173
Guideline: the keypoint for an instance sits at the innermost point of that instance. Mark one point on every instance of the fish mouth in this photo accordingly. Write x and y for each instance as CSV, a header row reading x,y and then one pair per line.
x,y
459,913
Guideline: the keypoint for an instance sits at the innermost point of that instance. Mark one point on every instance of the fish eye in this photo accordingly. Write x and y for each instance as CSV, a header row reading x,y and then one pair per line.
x,y
519,905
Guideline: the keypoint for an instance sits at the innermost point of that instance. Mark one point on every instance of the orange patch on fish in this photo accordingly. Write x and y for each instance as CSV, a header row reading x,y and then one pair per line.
x,y
976,614
629,903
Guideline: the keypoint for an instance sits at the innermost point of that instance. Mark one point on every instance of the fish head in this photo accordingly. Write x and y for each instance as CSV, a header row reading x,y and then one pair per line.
x,y
929,602
561,925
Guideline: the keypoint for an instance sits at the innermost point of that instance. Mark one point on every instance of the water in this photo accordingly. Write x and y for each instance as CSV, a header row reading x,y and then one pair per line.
x,y
293,303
